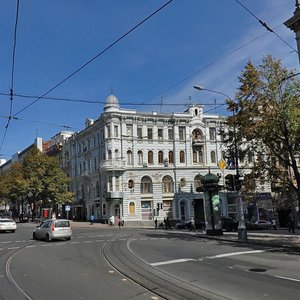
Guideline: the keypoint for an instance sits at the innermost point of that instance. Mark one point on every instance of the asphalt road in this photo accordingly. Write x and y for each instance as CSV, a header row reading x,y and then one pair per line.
x,y
113,263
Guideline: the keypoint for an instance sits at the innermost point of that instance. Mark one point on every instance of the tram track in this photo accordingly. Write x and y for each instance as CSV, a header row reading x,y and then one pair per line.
x,y
119,256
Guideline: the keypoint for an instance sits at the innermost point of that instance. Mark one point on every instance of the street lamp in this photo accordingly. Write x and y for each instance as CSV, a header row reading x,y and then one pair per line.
x,y
242,232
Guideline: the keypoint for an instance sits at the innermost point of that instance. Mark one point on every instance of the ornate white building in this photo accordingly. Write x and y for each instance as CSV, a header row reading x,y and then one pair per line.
x,y
140,166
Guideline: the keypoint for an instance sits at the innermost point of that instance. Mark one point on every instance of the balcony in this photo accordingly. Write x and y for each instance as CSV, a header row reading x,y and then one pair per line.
x,y
198,141
112,164
114,195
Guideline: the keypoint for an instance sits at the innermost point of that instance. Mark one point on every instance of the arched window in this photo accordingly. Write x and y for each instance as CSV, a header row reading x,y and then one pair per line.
x,y
130,184
109,154
197,183
167,185
150,157
146,185
140,157
116,154
182,156
171,157
160,157
129,157
132,208
213,157
197,134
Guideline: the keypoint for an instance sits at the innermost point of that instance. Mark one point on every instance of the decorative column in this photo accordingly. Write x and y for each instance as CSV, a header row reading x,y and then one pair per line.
x,y
210,188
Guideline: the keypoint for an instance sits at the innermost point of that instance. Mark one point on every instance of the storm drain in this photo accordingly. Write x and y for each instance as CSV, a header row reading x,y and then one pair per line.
x,y
258,270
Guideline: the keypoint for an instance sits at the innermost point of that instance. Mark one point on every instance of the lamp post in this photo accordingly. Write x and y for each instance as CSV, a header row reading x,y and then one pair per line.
x,y
242,232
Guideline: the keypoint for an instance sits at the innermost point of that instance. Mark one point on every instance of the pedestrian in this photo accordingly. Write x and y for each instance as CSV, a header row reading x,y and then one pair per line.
x,y
155,223
168,224
291,223
274,224
92,218
119,222
193,228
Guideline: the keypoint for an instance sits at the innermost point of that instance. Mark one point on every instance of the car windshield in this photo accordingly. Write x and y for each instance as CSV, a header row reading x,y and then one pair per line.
x,y
6,221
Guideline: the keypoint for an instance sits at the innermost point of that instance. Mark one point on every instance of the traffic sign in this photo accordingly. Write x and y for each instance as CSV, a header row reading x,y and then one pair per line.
x,y
222,164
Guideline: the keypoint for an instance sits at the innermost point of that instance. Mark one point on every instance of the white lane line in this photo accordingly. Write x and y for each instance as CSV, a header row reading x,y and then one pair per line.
x,y
85,242
6,242
174,261
12,248
235,253
46,245
287,278
31,246
74,243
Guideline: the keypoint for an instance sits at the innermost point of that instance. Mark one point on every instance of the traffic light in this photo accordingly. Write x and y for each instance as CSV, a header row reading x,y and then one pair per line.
x,y
229,182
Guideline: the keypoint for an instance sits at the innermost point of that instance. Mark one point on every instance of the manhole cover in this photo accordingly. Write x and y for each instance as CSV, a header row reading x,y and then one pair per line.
x,y
257,270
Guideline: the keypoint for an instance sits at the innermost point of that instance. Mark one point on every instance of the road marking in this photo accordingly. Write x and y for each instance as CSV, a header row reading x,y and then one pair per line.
x,y
74,242
174,261
235,253
288,278
12,248
46,245
6,242
85,242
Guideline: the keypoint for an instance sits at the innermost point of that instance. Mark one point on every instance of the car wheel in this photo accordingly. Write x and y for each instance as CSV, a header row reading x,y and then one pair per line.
x,y
13,231
34,236
48,238
68,238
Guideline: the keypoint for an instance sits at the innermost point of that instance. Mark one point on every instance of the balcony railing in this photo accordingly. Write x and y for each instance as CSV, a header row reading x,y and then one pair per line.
x,y
198,141
113,164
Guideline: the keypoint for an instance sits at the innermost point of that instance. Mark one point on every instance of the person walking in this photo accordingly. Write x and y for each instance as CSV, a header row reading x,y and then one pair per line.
x,y
193,227
274,224
92,218
291,223
155,223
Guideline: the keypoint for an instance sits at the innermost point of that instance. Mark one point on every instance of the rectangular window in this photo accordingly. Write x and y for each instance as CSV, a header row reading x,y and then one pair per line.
x,y
117,184
129,131
160,134
181,133
116,131
212,134
170,133
108,131
149,133
140,132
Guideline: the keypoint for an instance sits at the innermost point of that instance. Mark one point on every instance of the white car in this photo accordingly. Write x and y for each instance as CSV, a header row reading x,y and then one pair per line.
x,y
263,224
7,224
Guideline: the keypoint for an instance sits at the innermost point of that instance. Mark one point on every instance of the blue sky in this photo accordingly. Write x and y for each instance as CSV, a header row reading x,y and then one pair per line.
x,y
189,42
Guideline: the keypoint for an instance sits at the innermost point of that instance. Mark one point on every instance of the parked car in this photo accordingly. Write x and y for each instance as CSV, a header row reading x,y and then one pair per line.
x,y
53,229
263,224
199,224
7,224
260,224
229,224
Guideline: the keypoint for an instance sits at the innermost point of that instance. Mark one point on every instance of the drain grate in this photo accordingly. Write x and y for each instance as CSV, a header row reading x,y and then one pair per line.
x,y
258,270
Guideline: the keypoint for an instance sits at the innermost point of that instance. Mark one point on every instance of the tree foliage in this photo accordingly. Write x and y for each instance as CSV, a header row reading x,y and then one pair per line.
x,y
267,123
39,176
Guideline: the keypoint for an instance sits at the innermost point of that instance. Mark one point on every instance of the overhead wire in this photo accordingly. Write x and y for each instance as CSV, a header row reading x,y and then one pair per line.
x,y
264,24
89,101
95,57
11,94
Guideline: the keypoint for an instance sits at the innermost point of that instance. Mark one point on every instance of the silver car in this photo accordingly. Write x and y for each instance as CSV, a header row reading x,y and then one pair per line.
x,y
53,229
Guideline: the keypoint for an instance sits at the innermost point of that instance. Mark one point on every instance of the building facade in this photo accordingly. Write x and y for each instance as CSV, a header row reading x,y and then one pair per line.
x,y
139,166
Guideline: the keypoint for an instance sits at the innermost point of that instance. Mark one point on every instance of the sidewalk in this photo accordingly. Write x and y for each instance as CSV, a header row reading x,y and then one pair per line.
x,y
280,238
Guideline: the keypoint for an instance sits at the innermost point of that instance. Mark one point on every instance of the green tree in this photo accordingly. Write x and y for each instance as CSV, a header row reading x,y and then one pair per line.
x,y
46,181
267,123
